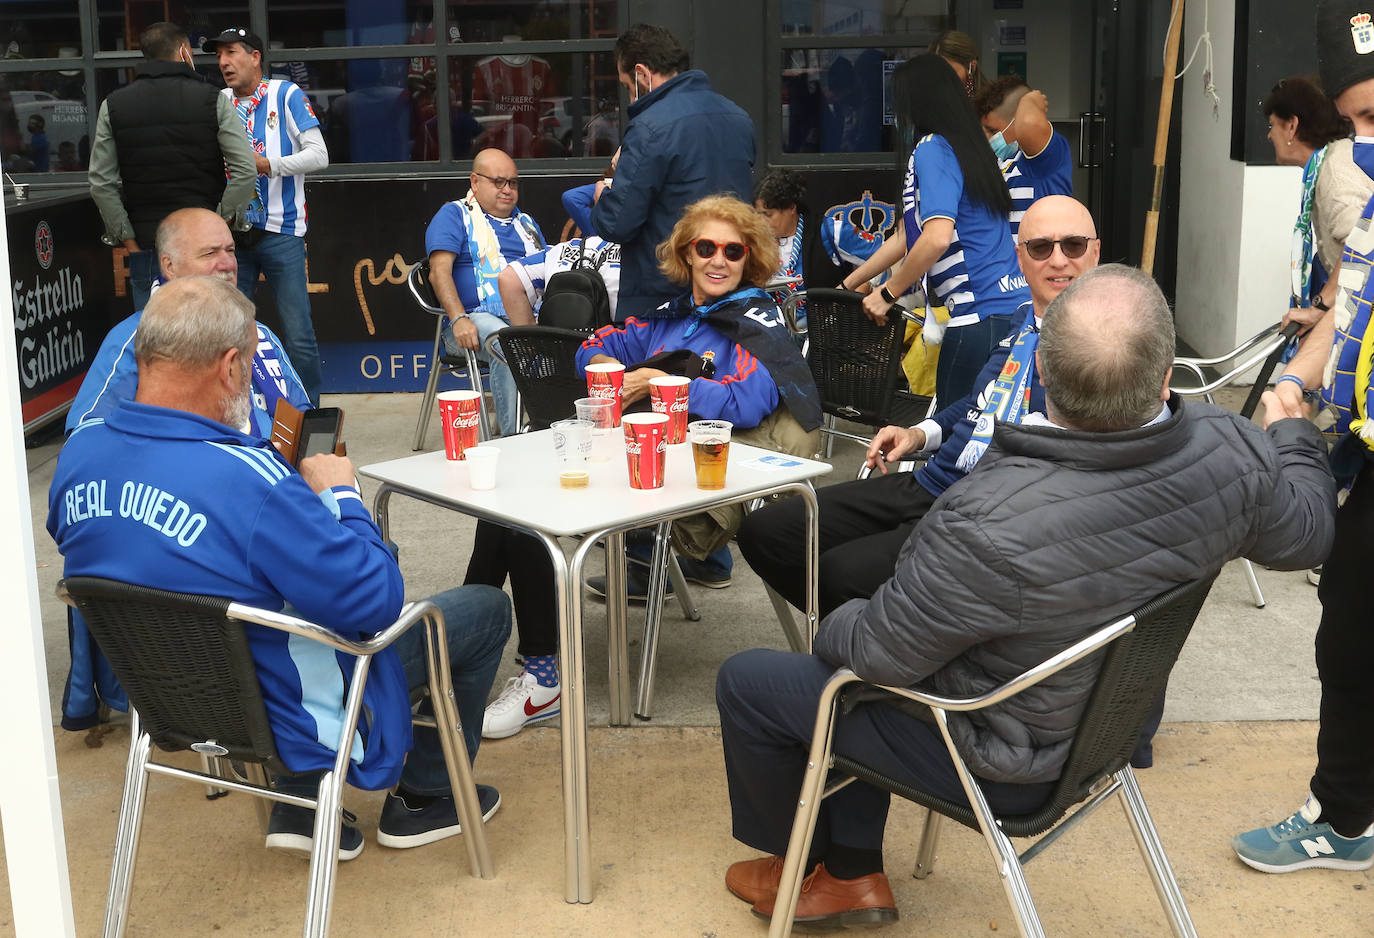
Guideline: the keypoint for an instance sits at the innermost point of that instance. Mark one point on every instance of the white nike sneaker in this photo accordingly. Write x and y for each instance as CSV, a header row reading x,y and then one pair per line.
x,y
523,701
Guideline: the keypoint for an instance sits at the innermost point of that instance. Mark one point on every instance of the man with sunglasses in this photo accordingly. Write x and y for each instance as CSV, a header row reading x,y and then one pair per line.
x,y
863,524
469,242
683,143
287,143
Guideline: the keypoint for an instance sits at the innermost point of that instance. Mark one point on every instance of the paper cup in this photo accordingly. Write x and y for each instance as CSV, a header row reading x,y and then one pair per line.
x,y
668,395
460,412
646,449
604,380
481,462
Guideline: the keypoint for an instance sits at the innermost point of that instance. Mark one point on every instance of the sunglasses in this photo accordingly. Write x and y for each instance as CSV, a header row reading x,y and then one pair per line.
x,y
1073,247
706,249
501,182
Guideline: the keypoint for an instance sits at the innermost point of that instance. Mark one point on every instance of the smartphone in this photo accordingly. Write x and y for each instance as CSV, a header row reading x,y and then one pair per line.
x,y
320,429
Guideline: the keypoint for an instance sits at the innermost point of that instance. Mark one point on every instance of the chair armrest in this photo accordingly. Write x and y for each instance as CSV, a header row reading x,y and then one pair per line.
x,y
1239,350
418,283
1051,665
410,614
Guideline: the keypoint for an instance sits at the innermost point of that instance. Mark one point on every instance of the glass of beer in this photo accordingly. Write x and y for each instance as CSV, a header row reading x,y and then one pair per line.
x,y
710,451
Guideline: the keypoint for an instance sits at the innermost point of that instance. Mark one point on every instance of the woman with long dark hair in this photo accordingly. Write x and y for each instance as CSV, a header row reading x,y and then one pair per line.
x,y
954,220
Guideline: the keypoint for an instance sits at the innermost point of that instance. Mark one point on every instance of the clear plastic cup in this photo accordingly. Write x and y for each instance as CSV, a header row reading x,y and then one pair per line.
x,y
600,413
572,444
710,451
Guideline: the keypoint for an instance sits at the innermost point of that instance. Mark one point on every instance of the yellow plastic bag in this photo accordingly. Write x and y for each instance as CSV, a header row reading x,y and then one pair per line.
x,y
919,360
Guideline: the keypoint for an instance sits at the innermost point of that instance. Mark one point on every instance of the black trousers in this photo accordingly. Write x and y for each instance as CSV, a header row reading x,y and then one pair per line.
x,y
1344,779
498,553
863,525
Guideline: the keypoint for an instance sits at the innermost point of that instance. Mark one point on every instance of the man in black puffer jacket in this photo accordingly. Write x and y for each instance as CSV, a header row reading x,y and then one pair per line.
x,y
1065,524
167,140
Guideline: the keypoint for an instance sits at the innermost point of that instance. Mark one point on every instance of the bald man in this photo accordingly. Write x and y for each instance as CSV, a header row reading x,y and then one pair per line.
x,y
190,242
1071,520
469,242
864,524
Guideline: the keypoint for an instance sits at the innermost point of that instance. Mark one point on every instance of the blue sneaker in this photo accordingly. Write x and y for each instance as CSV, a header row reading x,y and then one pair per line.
x,y
292,830
402,826
1300,843
705,573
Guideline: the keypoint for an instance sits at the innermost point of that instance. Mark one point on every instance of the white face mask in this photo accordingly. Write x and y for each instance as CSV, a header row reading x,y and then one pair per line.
x,y
638,94
184,55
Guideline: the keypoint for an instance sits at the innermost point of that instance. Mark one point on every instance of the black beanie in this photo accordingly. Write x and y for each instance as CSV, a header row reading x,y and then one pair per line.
x,y
1345,43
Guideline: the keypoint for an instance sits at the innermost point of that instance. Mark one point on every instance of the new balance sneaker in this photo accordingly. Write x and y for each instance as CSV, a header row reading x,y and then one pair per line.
x,y
1300,843
292,830
402,826
523,701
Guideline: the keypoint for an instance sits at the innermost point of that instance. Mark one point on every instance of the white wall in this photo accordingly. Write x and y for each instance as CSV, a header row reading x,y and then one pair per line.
x,y
1235,221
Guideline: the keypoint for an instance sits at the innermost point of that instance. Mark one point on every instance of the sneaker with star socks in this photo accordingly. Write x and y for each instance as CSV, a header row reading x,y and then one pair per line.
x,y
1301,843
523,701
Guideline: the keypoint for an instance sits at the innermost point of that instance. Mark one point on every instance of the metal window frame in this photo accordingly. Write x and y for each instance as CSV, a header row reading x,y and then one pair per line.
x,y
775,44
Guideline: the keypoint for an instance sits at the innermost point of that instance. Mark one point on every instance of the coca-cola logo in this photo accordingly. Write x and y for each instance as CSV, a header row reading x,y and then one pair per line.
x,y
632,447
678,407
603,390
465,421
662,446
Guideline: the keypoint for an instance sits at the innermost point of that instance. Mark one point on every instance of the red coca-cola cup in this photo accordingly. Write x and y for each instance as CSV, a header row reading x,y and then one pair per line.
x,y
459,412
668,395
646,448
604,380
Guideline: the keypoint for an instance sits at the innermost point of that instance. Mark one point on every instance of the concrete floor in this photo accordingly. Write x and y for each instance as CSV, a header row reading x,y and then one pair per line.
x,y
1236,751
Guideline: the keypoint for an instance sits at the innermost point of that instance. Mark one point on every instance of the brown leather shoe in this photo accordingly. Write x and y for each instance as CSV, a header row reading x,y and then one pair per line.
x,y
754,880
827,902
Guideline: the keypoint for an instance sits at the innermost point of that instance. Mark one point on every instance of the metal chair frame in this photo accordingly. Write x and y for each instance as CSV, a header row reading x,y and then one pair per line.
x,y
439,361
87,593
1263,349
1091,789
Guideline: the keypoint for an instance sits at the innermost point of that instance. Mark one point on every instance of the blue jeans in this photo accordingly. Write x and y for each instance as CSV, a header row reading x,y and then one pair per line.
x,y
963,353
281,259
142,268
767,701
478,622
503,392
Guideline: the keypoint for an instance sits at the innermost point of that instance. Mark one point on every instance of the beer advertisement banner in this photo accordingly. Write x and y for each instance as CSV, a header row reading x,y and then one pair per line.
x,y
62,282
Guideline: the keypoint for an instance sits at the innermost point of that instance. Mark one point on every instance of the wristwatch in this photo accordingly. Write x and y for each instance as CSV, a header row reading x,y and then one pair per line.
x,y
1319,303
886,294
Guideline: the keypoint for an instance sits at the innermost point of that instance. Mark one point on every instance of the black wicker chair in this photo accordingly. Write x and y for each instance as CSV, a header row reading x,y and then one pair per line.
x,y
543,361
857,365
440,361
185,663
1140,651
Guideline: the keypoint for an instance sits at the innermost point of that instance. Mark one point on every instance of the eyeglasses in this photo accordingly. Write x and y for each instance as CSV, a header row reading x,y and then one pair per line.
x,y
1040,249
706,249
500,182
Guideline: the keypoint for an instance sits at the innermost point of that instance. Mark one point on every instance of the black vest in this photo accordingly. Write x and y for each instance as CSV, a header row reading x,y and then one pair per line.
x,y
165,130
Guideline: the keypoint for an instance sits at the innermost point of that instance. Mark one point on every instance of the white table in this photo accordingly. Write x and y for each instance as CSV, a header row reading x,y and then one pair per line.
x,y
528,498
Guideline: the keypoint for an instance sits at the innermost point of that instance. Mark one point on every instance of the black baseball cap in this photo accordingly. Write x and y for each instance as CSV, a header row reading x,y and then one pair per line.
x,y
233,34
1345,44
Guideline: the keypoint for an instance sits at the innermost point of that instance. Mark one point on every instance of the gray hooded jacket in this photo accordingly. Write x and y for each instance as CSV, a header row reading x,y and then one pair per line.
x,y
1057,533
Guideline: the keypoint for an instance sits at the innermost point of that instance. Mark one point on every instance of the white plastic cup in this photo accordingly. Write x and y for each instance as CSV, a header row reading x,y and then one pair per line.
x,y
481,462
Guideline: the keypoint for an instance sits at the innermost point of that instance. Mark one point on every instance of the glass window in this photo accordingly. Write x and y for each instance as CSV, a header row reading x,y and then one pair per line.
x,y
833,100
862,17
368,112
42,30
330,23
43,125
564,104
120,22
